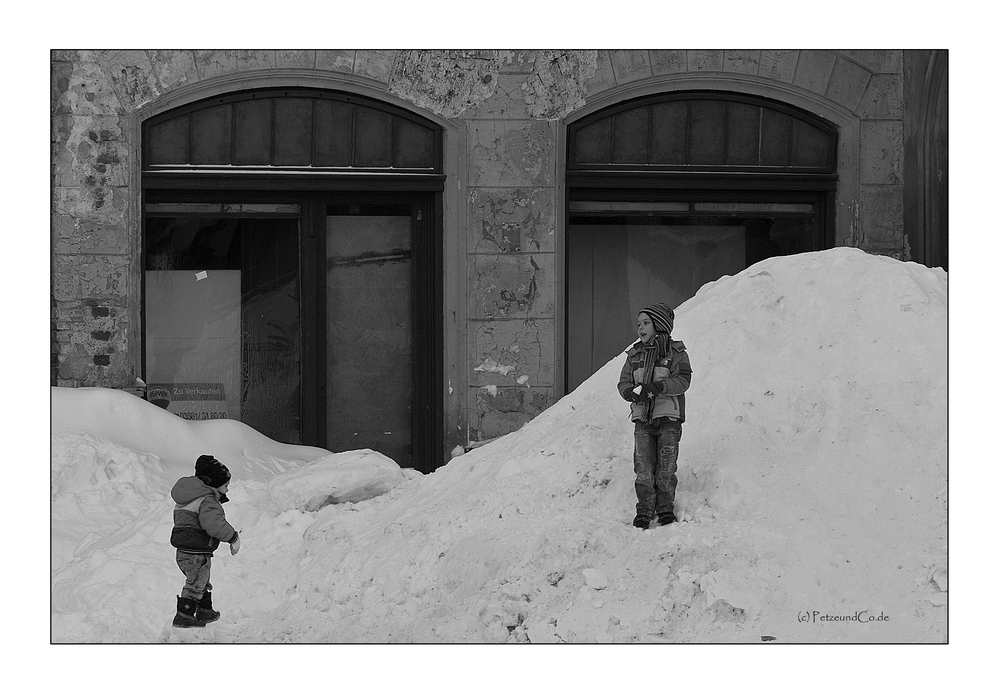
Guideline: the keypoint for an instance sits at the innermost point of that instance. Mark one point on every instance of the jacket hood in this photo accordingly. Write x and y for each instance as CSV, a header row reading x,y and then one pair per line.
x,y
188,489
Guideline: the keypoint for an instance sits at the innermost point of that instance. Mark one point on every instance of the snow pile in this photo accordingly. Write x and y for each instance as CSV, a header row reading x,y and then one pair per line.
x,y
352,476
811,492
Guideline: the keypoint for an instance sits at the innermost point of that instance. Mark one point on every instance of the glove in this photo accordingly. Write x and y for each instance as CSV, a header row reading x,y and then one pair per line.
x,y
647,391
632,396
234,547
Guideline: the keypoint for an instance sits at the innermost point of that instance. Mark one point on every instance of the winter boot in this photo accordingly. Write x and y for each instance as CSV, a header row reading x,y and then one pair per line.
x,y
185,617
665,518
205,611
641,521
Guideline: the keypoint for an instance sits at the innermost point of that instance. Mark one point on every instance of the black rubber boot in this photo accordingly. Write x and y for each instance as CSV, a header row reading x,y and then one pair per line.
x,y
205,611
185,617
641,521
665,518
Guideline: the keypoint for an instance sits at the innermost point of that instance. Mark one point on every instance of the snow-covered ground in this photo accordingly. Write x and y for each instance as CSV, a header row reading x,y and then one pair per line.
x,y
812,485
812,491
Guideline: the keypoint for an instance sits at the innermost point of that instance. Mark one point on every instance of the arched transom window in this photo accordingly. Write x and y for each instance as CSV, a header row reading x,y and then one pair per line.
x,y
707,131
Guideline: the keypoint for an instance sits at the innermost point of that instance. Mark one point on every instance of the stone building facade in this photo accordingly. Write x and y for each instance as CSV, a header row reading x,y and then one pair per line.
x,y
502,213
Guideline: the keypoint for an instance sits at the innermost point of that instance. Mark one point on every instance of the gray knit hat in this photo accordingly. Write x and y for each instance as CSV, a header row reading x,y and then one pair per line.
x,y
662,317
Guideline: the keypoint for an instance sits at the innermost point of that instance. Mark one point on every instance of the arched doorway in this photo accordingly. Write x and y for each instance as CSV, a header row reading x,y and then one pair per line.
x,y
668,192
292,268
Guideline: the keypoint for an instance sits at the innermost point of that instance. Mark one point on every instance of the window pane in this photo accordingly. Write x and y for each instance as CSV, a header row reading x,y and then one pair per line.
x,y
744,134
669,133
334,133
708,129
617,264
293,132
222,320
369,332
211,135
414,145
593,143
810,146
631,137
252,140
373,138
168,142
774,134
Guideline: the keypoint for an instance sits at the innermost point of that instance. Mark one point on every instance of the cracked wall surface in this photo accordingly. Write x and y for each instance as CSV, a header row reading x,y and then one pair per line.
x,y
508,108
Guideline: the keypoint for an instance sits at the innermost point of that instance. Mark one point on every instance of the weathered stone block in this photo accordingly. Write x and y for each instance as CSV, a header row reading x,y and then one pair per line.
x,y
742,62
75,278
500,411
375,64
630,66
511,153
64,56
882,218
101,204
814,69
338,61
668,62
881,152
173,68
704,61
256,60
603,77
71,235
848,83
512,220
84,91
131,76
212,63
878,61
778,65
512,286
520,61
518,352
558,86
60,78
92,347
452,83
89,152
295,59
215,63
883,98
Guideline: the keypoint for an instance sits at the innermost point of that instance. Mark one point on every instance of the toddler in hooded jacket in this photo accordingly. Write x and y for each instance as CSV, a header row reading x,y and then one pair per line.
x,y
656,373
199,527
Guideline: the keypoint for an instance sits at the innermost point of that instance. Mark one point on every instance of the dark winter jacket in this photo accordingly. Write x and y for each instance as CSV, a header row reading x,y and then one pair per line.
x,y
671,375
199,521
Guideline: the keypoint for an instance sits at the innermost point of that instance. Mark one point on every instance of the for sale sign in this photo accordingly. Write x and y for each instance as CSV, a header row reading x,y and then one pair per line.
x,y
190,401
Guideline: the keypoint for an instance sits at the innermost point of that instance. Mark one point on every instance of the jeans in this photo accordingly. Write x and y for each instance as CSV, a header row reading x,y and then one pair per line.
x,y
656,447
197,568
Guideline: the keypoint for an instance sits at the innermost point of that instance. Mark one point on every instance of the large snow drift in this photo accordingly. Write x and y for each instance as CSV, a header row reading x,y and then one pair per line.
x,y
812,491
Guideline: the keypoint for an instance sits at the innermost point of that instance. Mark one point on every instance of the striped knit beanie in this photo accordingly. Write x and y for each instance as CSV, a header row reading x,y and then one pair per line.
x,y
662,317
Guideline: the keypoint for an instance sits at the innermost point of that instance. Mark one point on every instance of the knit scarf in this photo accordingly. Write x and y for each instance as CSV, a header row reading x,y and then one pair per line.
x,y
657,348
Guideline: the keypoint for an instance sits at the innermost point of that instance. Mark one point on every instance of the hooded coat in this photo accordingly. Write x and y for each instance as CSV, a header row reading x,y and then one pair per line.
x,y
199,521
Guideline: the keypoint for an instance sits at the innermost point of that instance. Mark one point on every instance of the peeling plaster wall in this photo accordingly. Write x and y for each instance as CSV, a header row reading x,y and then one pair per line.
x,y
510,105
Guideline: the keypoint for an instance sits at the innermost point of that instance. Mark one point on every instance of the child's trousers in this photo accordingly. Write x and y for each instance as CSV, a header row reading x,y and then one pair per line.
x,y
197,569
656,446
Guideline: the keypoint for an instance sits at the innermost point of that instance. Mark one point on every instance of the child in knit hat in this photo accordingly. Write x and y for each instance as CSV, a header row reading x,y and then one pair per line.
x,y
656,374
199,526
